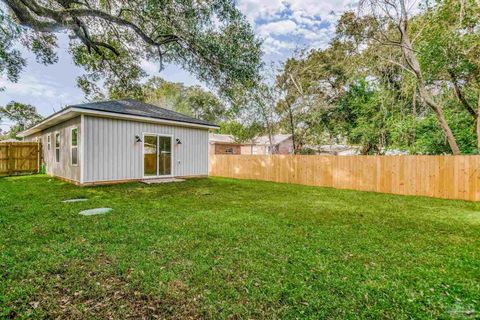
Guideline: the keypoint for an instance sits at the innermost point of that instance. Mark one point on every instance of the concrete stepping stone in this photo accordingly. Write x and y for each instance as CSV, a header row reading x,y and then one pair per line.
x,y
74,200
92,212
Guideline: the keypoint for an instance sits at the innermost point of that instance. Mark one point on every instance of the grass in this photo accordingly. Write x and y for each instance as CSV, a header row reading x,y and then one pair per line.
x,y
221,248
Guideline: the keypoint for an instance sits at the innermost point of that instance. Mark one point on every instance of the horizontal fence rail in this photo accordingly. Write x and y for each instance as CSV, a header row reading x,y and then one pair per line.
x,y
450,177
19,158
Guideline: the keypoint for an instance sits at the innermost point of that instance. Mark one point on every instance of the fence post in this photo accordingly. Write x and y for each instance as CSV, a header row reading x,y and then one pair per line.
x,y
10,159
38,156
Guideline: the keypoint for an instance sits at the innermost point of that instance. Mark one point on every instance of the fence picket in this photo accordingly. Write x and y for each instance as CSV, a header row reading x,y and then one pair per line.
x,y
19,157
451,177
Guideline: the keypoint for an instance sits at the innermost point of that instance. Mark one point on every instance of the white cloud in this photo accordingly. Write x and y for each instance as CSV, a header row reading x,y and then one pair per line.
x,y
274,46
254,9
281,27
40,91
33,87
289,24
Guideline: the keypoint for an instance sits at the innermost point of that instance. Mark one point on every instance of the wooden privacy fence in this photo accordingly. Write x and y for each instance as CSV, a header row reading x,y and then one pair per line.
x,y
451,177
19,158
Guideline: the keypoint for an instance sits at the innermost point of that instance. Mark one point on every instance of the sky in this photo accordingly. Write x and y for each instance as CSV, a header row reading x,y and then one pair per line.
x,y
284,26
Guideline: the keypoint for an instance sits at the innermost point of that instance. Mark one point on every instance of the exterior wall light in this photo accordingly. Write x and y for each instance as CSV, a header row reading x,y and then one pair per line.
x,y
178,141
138,139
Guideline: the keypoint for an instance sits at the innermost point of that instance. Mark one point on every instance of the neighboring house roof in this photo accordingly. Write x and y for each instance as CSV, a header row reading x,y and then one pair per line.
x,y
261,140
339,149
126,109
221,138
276,139
10,140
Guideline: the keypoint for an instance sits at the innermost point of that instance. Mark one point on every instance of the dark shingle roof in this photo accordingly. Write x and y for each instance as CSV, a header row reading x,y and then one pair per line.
x,y
137,108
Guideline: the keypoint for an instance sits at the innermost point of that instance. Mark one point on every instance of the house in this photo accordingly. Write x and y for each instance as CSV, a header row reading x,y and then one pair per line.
x,y
122,140
281,144
338,149
226,144
223,144
9,141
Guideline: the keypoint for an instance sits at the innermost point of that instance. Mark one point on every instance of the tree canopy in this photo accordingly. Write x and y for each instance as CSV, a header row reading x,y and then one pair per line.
x,y
110,38
22,116
390,79
190,100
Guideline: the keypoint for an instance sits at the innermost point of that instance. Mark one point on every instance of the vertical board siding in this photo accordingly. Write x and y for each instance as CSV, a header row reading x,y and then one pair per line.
x,y
111,152
450,177
63,168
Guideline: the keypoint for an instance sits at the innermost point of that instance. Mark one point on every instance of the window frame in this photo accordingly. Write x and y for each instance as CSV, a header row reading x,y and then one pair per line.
x,y
73,147
59,145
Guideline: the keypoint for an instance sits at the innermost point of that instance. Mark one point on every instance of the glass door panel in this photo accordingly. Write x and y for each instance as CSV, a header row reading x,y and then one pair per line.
x,y
165,156
150,144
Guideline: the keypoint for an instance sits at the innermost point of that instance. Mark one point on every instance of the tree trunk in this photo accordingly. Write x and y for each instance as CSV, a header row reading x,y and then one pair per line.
x,y
412,61
414,111
292,128
460,94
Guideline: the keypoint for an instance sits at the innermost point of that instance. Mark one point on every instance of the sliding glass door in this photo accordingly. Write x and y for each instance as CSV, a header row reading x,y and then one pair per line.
x,y
165,156
150,148
157,155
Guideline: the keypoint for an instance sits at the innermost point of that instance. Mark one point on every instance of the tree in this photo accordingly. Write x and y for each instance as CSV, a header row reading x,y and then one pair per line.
x,y
22,115
394,14
211,38
193,101
204,105
241,133
257,105
312,84
448,46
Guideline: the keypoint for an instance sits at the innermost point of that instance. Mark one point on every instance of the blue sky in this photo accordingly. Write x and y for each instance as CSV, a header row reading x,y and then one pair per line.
x,y
284,27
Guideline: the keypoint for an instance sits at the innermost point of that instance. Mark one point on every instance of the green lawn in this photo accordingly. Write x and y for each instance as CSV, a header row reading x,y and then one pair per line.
x,y
221,248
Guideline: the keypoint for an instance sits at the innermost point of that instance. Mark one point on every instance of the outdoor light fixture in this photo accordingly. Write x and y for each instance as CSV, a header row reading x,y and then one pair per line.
x,y
178,141
138,139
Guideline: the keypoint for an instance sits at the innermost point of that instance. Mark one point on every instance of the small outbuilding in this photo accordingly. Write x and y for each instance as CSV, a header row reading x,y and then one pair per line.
x,y
121,140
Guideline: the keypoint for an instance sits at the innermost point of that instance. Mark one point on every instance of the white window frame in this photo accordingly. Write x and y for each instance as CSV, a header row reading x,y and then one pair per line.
x,y
49,142
59,145
73,147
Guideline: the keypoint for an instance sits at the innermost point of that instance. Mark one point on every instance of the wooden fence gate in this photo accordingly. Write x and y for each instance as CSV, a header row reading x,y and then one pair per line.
x,y
20,158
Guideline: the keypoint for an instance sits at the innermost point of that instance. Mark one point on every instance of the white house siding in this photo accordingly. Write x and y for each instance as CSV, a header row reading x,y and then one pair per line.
x,y
63,168
112,153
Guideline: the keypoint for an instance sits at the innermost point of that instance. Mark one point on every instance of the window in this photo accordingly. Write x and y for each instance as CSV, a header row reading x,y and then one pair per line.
x,y
57,147
74,147
229,150
49,142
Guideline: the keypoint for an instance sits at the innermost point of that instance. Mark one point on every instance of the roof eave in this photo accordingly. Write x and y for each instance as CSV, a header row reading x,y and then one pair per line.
x,y
72,112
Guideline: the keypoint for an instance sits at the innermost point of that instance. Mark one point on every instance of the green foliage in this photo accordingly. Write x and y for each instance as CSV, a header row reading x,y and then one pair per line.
x,y
11,61
22,115
221,249
362,111
360,90
110,39
241,132
193,101
430,140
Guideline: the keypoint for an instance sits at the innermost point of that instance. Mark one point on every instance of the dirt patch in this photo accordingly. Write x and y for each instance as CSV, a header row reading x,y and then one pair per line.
x,y
75,291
